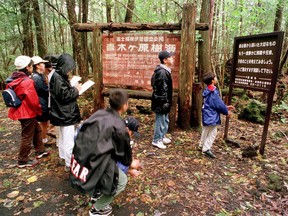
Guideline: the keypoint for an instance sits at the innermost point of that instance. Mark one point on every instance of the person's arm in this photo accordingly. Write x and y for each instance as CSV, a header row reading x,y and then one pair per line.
x,y
31,96
121,140
63,91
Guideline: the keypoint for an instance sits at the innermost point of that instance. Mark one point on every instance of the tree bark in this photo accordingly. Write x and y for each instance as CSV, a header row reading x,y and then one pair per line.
x,y
108,10
77,52
130,8
84,41
82,27
279,15
41,45
26,19
187,65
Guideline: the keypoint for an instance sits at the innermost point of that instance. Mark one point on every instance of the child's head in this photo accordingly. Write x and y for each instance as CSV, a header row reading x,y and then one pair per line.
x,y
208,78
132,124
118,100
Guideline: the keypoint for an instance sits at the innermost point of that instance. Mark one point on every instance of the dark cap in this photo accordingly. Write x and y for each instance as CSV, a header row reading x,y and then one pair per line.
x,y
165,54
52,60
132,125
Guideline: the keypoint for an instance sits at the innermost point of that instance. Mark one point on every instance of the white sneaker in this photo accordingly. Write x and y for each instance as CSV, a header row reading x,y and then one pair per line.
x,y
159,144
166,140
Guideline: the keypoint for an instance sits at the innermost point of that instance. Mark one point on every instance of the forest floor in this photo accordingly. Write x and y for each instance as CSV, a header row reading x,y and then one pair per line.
x,y
176,181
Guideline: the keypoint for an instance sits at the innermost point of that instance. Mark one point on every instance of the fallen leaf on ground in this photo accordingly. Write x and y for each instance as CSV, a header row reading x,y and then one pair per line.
x,y
13,194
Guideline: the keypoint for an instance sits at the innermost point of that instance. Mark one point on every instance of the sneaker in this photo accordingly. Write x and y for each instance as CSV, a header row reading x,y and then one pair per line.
x,y
96,196
209,154
159,144
42,154
29,163
166,140
100,212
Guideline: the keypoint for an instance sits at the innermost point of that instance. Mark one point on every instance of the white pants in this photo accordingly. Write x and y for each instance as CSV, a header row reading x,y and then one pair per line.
x,y
208,136
66,143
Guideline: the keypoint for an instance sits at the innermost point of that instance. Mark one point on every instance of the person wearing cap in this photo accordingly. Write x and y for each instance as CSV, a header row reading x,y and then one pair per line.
x,y
64,110
41,86
161,82
102,141
27,112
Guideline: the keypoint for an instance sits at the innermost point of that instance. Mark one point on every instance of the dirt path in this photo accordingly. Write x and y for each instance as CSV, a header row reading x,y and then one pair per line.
x,y
176,181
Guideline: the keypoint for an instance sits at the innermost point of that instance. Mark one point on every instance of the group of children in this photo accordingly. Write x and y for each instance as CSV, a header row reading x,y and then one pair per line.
x,y
100,155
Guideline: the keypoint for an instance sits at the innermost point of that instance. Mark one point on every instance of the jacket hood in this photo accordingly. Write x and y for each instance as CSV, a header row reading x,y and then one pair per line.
x,y
65,64
208,90
15,78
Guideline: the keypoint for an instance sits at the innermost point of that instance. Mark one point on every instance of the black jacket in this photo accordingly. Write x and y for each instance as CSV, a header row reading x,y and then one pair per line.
x,y
162,85
102,140
64,108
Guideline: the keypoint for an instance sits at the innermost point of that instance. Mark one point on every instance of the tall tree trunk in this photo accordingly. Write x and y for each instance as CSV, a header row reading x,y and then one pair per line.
x,y
108,10
26,19
77,52
129,11
279,14
84,40
41,46
204,46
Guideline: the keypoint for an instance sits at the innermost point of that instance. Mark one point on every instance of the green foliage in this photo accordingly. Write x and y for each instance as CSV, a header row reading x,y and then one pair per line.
x,y
254,111
279,110
275,182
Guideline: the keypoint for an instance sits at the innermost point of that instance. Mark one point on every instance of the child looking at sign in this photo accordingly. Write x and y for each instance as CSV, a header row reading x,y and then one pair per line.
x,y
213,106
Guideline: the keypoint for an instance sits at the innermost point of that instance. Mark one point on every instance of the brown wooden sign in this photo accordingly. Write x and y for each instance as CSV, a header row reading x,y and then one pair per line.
x,y
255,66
256,61
130,59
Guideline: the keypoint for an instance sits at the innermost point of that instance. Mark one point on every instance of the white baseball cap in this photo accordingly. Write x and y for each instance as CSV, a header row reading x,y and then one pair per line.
x,y
37,60
22,61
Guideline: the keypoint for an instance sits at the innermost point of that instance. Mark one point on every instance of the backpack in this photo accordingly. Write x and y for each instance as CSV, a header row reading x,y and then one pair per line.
x,y
10,98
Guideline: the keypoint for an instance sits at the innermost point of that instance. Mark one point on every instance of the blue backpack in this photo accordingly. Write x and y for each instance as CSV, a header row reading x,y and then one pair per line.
x,y
10,98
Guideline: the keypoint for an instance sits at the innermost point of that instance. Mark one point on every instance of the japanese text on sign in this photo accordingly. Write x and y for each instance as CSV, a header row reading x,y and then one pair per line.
x,y
130,59
254,64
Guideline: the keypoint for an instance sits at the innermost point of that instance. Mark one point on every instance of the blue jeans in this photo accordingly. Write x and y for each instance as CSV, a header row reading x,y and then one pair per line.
x,y
161,126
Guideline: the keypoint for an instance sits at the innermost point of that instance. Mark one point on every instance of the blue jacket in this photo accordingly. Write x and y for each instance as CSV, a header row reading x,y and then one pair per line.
x,y
212,107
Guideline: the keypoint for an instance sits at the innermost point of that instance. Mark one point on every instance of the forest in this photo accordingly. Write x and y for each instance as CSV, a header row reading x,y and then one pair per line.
x,y
177,181
38,27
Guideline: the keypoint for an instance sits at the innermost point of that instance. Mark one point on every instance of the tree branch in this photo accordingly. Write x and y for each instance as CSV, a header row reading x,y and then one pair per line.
x,y
52,6
128,9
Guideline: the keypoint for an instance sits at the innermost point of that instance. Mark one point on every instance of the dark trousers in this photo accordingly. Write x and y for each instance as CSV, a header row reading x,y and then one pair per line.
x,y
31,133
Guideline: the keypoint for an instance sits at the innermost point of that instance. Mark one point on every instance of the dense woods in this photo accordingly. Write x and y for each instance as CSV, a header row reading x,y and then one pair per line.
x,y
39,27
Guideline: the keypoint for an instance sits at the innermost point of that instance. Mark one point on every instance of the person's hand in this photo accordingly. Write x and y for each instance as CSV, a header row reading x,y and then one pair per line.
x,y
136,164
166,106
134,172
230,107
79,86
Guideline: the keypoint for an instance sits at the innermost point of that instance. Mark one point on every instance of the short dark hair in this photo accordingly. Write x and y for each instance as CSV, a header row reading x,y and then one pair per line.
x,y
117,98
208,77
25,69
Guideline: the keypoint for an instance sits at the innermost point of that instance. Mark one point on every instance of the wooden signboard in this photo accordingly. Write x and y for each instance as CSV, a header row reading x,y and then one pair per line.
x,y
130,59
255,66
